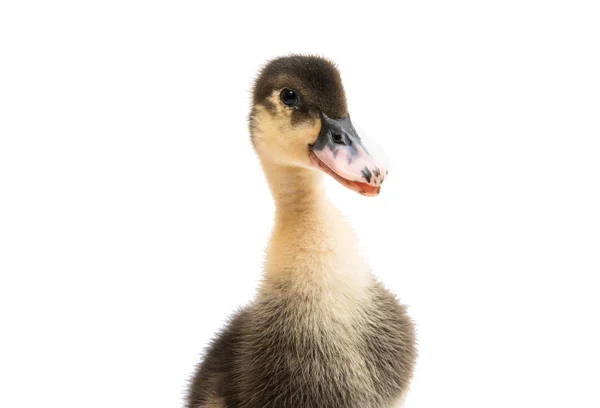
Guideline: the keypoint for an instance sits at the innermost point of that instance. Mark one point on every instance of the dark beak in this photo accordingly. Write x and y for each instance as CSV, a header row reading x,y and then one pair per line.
x,y
339,152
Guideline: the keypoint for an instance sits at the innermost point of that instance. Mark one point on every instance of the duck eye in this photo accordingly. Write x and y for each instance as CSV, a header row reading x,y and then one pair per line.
x,y
289,97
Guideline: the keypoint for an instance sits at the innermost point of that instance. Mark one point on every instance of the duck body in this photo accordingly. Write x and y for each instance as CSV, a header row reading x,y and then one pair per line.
x,y
322,330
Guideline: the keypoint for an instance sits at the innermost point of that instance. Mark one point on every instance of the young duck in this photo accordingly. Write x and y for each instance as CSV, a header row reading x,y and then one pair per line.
x,y
322,331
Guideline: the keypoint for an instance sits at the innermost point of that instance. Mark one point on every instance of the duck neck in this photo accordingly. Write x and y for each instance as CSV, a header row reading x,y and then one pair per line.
x,y
297,192
311,241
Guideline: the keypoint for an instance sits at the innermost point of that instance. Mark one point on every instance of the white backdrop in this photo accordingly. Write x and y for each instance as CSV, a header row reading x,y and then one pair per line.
x,y
133,213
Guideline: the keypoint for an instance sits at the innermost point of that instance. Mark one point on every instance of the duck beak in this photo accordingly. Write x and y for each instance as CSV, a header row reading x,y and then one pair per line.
x,y
339,152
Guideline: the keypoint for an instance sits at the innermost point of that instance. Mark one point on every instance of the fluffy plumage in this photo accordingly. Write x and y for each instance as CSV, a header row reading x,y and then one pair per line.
x,y
322,331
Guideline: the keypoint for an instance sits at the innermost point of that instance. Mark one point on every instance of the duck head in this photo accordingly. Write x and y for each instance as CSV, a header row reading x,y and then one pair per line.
x,y
300,118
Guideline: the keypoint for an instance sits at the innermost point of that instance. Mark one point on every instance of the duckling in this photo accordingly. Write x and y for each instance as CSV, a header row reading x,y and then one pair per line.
x,y
322,331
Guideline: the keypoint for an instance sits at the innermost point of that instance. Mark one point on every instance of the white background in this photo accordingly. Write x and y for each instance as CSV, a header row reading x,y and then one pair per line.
x,y
133,213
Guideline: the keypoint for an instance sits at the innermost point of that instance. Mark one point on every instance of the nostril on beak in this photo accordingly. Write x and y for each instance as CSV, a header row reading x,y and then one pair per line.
x,y
338,139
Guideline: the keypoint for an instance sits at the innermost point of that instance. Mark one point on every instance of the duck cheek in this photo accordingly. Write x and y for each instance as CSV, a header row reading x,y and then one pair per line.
x,y
289,148
306,132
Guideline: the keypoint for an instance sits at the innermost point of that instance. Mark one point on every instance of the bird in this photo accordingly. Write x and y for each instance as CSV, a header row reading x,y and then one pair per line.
x,y
322,330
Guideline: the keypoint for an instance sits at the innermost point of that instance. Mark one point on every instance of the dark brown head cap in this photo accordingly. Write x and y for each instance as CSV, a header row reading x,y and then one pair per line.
x,y
316,79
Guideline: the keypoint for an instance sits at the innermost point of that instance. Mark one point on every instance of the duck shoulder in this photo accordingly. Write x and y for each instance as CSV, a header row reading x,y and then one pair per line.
x,y
285,350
